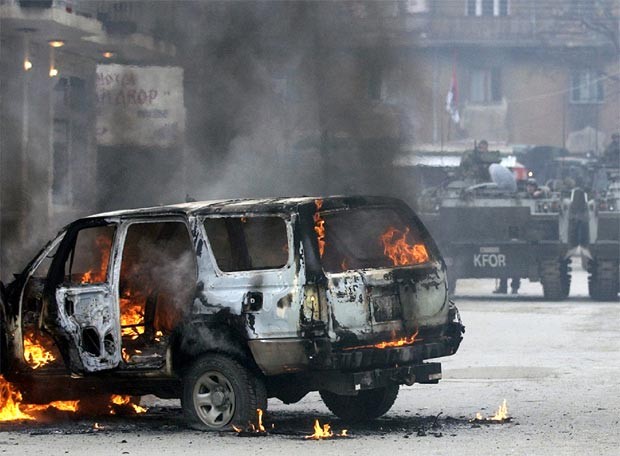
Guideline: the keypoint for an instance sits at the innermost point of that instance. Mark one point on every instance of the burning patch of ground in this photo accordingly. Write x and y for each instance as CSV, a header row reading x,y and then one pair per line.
x,y
168,419
13,410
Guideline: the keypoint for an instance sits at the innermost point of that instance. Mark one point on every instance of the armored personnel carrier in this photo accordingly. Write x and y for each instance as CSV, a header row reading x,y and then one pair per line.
x,y
590,189
498,230
603,250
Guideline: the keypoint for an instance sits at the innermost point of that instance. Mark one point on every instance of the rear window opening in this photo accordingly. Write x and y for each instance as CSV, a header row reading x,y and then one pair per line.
x,y
368,238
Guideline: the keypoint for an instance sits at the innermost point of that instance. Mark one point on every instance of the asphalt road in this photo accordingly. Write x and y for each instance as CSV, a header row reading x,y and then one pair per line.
x,y
556,364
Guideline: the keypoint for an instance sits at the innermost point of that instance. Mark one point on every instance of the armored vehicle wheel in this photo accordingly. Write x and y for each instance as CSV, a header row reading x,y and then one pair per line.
x,y
367,405
219,392
603,280
555,279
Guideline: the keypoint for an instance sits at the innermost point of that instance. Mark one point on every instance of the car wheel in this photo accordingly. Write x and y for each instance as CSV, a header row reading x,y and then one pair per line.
x,y
365,406
219,392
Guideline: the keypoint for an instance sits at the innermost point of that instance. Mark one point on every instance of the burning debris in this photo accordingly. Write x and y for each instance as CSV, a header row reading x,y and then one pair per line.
x,y
324,432
500,417
125,402
12,407
36,351
253,430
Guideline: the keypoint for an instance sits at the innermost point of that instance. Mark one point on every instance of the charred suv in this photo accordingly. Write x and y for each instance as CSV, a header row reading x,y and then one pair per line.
x,y
226,303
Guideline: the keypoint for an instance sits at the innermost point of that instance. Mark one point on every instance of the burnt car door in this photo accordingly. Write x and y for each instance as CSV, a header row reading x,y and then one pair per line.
x,y
80,304
251,273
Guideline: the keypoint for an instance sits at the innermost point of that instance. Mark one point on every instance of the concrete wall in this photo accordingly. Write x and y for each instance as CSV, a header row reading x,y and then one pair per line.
x,y
30,213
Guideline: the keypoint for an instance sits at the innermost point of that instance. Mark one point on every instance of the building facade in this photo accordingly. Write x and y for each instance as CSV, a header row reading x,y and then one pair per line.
x,y
49,55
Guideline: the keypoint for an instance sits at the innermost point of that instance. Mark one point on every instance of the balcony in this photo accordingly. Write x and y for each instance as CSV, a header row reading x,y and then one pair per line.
x,y
74,24
510,31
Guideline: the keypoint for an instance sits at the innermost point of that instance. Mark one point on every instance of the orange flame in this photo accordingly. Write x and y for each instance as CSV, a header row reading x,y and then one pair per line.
x,y
500,415
389,344
261,428
397,249
319,226
324,432
258,428
398,343
10,400
35,353
125,400
11,407
104,244
132,315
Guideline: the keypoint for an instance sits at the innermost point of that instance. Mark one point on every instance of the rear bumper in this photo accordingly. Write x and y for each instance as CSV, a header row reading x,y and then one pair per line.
x,y
349,383
287,356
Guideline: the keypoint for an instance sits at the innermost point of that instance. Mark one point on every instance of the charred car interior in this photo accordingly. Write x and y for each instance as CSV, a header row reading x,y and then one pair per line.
x,y
226,303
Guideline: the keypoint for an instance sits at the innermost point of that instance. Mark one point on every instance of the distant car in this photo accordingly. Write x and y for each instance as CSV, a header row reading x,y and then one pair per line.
x,y
226,303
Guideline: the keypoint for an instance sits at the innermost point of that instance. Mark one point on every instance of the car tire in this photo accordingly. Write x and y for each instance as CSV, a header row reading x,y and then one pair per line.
x,y
365,406
218,392
603,282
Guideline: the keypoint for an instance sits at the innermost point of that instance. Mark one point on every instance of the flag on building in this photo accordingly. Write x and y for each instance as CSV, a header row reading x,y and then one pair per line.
x,y
452,98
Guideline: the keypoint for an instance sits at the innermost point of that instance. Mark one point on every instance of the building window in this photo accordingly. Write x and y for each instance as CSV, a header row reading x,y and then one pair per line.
x,y
487,8
485,86
586,86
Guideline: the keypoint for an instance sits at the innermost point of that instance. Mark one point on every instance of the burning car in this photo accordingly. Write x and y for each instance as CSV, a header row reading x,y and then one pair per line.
x,y
226,303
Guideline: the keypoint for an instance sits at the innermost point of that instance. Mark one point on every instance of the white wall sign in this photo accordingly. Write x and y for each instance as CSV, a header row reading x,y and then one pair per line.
x,y
140,105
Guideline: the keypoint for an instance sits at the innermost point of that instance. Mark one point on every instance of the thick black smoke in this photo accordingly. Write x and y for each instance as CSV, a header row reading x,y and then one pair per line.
x,y
285,98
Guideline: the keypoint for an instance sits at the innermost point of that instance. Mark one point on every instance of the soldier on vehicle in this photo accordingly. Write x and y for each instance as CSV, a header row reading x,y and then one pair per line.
x,y
533,190
611,157
475,163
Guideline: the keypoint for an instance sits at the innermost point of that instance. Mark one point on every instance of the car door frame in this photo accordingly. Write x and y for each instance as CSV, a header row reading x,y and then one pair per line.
x,y
84,306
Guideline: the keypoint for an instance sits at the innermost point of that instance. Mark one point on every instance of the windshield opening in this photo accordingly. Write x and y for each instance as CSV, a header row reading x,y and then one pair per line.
x,y
368,238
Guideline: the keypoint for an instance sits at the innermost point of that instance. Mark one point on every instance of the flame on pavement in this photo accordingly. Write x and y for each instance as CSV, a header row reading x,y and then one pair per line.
x,y
324,432
125,401
259,428
500,416
12,408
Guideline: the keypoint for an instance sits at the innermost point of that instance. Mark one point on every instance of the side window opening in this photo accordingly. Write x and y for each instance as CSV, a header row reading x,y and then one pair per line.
x,y
248,243
157,284
89,258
